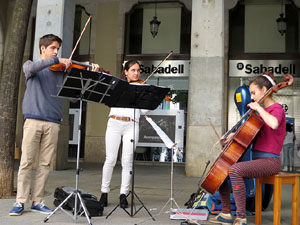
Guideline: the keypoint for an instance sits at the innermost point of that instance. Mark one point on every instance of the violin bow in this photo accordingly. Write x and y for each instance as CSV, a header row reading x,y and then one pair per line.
x,y
156,68
85,26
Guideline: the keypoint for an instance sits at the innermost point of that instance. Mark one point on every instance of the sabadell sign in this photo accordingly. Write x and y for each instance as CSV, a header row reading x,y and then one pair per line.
x,y
169,68
250,68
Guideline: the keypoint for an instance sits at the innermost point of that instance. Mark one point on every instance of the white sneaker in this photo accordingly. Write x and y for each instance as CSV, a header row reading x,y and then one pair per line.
x,y
222,218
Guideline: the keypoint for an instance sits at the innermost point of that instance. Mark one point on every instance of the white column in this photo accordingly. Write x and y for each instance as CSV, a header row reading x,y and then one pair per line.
x,y
57,17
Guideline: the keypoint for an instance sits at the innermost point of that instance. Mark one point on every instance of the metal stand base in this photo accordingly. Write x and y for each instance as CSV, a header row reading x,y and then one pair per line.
x,y
188,220
76,192
171,199
136,211
74,215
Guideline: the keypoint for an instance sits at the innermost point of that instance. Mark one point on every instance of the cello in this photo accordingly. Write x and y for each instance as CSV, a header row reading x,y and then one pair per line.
x,y
239,143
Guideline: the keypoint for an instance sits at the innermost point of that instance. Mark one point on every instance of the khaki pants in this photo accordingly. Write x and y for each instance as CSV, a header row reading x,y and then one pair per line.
x,y
39,137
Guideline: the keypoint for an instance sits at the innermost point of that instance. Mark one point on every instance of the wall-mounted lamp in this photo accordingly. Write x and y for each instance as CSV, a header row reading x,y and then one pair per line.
x,y
154,24
281,22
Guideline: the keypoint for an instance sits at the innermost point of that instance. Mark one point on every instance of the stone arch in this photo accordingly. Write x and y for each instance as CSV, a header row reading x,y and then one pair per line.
x,y
297,3
230,4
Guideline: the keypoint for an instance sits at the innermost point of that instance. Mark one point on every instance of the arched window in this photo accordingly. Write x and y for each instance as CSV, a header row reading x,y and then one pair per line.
x,y
82,52
174,32
253,27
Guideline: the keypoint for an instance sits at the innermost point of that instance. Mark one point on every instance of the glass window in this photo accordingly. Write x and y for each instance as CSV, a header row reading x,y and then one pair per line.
x,y
81,17
174,32
253,27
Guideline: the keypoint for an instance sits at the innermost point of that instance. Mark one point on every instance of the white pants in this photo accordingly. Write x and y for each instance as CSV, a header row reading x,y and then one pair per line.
x,y
116,130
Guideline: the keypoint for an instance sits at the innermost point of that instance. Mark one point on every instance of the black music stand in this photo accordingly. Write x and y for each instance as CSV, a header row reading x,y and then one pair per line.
x,y
138,97
104,88
88,86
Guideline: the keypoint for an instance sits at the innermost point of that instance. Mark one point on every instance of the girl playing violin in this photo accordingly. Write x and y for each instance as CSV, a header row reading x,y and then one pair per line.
x,y
266,151
121,125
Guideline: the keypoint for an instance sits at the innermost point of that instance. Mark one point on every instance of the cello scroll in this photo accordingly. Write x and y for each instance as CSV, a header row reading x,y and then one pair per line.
x,y
288,81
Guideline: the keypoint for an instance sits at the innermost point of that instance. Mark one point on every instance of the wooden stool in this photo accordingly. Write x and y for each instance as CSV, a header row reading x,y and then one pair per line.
x,y
277,180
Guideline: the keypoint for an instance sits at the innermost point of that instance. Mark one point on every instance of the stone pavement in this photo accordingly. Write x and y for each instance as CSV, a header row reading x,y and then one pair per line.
x,y
152,185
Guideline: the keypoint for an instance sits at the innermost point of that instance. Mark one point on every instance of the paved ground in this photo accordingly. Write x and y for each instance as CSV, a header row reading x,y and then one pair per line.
x,y
152,185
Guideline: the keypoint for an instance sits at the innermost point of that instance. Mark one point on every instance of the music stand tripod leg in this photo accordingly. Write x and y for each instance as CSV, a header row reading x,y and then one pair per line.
x,y
60,206
132,180
112,211
143,206
171,199
76,192
87,215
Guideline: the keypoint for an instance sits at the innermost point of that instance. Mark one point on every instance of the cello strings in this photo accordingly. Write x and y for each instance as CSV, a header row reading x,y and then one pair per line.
x,y
246,114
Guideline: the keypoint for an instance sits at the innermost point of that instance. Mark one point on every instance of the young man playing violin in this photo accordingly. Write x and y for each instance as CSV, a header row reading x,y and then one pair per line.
x,y
42,114
265,151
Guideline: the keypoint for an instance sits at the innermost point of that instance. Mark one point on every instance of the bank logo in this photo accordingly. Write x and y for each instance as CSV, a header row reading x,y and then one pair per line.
x,y
240,66
259,69
177,69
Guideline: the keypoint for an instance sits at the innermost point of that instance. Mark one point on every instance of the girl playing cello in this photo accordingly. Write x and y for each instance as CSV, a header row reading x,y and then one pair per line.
x,y
266,151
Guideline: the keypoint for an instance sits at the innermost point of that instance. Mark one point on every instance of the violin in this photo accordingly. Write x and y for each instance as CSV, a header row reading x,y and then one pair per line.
x,y
75,64
137,82
167,98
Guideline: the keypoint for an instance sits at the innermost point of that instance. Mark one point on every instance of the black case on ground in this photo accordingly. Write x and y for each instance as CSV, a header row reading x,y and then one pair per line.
x,y
92,204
